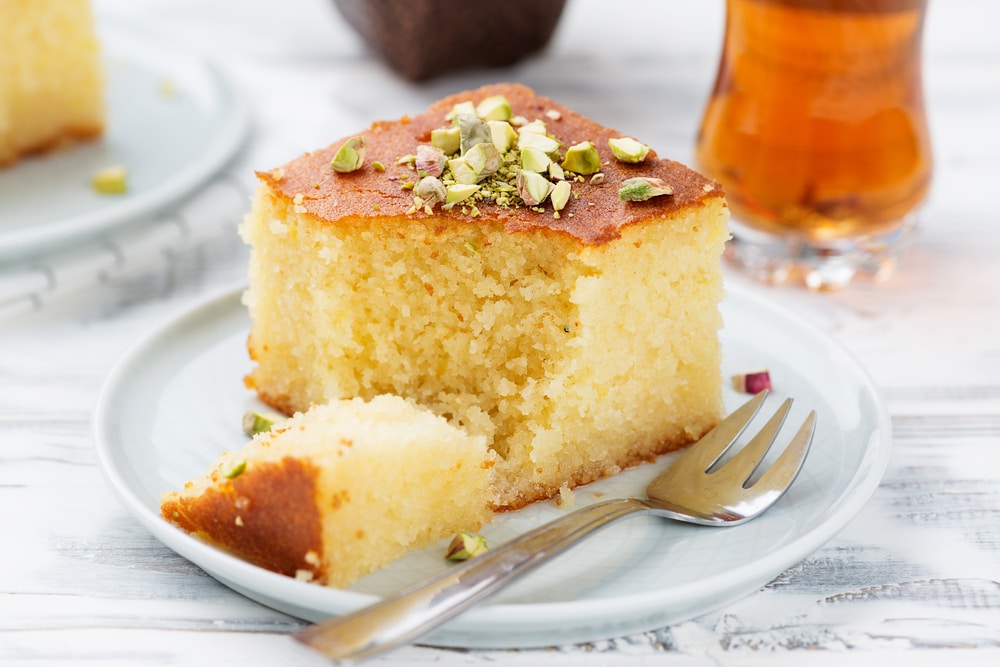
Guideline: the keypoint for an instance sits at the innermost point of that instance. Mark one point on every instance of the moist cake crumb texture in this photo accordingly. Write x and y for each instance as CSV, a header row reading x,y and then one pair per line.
x,y
340,491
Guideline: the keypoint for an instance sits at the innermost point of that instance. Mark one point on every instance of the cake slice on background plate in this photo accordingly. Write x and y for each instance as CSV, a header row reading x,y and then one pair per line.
x,y
51,82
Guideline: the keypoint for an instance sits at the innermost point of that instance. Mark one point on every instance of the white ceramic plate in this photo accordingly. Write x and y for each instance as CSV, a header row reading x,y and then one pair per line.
x,y
173,120
175,402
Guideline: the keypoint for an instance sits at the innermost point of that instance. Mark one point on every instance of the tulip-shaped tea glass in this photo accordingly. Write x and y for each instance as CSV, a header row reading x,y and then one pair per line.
x,y
817,130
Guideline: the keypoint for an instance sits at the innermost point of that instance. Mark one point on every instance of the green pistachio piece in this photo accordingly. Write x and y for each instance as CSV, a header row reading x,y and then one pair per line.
x,y
504,136
642,188
460,192
582,159
495,107
350,156
111,180
466,107
534,127
542,142
465,546
429,190
560,195
473,131
430,160
236,470
462,171
556,172
448,139
257,422
627,149
532,187
532,159
484,159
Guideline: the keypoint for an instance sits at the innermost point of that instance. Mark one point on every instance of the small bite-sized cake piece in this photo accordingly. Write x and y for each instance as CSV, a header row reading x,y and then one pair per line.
x,y
545,282
340,491
51,82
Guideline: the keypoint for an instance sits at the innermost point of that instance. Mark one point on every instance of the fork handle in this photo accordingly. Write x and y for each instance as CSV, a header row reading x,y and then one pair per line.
x,y
414,612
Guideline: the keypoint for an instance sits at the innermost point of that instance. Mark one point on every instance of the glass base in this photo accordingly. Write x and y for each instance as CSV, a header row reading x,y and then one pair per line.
x,y
818,265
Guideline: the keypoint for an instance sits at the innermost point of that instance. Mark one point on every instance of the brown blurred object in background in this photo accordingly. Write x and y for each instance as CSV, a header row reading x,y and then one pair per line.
x,y
421,39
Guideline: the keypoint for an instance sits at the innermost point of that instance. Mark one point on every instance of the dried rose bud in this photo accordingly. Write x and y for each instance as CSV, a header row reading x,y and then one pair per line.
x,y
752,383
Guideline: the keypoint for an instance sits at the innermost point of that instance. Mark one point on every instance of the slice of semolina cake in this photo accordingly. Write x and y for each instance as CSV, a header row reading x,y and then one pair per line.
x,y
341,490
509,264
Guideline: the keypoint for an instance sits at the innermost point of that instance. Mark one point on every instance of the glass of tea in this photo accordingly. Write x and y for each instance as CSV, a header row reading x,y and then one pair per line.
x,y
817,130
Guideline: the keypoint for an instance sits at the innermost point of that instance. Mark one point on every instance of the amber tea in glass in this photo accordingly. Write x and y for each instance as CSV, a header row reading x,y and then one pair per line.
x,y
817,130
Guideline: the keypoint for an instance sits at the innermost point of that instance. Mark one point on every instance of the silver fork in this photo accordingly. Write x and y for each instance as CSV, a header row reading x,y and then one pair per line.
x,y
696,488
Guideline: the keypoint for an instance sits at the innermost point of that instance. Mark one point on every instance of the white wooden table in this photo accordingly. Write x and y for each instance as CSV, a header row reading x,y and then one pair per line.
x,y
915,579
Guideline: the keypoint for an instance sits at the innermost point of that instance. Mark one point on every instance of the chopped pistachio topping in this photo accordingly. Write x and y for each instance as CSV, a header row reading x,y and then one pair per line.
x,y
533,187
429,191
484,159
541,142
582,159
536,126
466,107
459,192
627,149
473,131
494,108
504,136
448,139
257,422
350,156
560,195
238,469
489,155
111,180
642,188
430,160
462,172
377,166
465,546
534,160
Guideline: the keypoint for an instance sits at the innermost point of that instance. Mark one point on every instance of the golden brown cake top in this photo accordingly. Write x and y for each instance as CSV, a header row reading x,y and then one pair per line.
x,y
594,215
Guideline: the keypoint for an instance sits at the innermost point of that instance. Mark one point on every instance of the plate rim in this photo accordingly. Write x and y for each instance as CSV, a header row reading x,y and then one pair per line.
x,y
33,241
467,630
